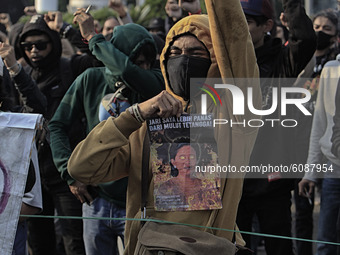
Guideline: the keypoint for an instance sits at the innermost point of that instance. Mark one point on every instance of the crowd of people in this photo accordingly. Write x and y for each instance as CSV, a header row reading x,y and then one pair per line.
x,y
95,87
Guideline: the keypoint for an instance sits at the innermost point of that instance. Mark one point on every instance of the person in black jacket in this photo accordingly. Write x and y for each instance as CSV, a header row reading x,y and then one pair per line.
x,y
269,196
41,48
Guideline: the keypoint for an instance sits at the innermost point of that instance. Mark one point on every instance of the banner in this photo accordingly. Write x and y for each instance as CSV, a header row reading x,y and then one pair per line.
x,y
17,132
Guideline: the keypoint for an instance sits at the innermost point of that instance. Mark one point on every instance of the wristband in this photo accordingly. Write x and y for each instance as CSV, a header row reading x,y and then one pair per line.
x,y
134,110
11,70
64,29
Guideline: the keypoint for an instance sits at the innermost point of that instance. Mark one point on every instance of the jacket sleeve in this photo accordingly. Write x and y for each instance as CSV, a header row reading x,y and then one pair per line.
x,y
103,157
67,113
79,62
121,66
319,127
236,61
33,97
75,38
336,128
235,54
302,38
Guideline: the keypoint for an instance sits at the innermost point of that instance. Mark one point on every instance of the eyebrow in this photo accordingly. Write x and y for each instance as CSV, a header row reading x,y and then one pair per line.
x,y
326,25
37,41
188,49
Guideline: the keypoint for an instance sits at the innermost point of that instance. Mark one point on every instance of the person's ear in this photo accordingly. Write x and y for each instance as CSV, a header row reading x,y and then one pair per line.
x,y
269,25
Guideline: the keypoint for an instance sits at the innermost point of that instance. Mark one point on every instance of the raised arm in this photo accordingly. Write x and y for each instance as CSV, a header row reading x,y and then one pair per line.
x,y
118,62
121,66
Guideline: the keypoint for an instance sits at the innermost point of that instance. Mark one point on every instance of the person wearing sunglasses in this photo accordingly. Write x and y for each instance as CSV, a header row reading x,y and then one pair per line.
x,y
37,47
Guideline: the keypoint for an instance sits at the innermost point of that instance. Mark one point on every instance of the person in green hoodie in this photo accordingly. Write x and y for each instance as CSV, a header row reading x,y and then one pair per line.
x,y
127,78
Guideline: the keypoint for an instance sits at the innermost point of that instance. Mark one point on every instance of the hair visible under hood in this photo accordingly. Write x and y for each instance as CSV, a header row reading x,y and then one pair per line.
x,y
36,26
198,26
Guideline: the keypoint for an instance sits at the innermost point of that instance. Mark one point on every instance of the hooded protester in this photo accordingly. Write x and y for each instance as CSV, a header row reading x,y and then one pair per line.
x,y
156,26
98,93
114,146
41,48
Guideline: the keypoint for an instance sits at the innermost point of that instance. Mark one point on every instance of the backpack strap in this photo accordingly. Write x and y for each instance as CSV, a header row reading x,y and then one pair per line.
x,y
145,174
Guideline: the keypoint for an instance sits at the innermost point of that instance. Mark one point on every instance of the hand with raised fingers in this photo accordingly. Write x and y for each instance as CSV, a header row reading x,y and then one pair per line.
x,y
163,105
54,20
30,10
283,20
7,54
192,6
118,6
85,22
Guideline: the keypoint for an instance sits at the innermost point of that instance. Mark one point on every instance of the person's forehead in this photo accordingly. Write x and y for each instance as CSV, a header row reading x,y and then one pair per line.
x,y
32,38
186,149
187,41
248,17
111,23
172,1
322,21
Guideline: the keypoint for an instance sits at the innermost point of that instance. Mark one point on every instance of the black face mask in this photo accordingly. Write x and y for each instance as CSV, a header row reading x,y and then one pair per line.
x,y
323,40
181,68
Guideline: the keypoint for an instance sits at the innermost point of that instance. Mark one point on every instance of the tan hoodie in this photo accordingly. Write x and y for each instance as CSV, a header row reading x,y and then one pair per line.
x,y
114,148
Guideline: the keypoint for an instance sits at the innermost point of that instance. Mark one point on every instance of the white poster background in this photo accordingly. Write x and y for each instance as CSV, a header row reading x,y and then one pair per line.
x,y
17,131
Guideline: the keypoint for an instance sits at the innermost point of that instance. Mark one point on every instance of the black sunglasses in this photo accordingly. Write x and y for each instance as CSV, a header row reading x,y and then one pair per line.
x,y
38,45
